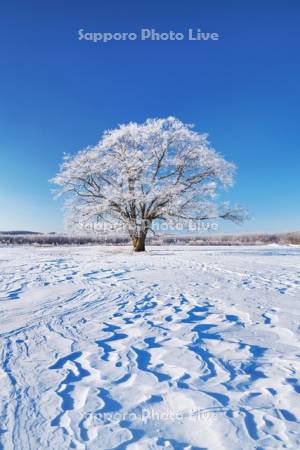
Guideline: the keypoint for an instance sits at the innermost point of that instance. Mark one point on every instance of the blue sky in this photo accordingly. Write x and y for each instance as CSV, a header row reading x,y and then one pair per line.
x,y
58,94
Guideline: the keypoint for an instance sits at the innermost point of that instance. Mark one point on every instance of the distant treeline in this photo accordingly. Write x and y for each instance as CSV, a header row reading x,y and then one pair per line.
x,y
30,238
19,232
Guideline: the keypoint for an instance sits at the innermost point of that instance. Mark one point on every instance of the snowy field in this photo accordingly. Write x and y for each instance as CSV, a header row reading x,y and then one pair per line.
x,y
184,348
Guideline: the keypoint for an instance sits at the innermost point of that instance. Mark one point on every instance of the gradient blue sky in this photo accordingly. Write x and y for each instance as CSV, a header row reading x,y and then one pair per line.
x,y
58,94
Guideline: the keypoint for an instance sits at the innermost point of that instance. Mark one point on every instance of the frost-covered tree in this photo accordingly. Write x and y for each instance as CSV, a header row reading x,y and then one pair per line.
x,y
141,173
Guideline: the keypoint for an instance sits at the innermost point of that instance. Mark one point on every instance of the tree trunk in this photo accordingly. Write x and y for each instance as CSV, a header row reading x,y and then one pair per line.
x,y
139,243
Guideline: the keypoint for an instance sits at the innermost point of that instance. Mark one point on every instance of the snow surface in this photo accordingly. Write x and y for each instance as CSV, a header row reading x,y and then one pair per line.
x,y
176,348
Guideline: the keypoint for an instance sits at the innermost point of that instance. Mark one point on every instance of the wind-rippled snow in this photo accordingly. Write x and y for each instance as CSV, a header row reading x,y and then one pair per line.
x,y
184,348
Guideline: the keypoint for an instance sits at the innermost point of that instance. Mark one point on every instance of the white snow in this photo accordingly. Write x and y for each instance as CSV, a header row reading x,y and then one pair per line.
x,y
185,348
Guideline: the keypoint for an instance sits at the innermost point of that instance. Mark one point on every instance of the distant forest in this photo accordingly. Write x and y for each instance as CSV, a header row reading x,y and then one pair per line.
x,y
34,238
